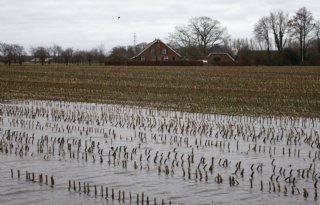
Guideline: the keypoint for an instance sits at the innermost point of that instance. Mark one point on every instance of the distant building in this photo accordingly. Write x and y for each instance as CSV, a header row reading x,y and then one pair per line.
x,y
37,60
157,51
220,56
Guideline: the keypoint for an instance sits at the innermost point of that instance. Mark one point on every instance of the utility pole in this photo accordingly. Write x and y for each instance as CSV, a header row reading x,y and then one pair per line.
x,y
134,39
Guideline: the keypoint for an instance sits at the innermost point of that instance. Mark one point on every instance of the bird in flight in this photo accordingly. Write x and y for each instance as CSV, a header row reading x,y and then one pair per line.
x,y
118,17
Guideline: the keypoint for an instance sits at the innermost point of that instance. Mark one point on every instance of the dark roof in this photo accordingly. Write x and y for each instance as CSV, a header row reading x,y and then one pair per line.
x,y
218,49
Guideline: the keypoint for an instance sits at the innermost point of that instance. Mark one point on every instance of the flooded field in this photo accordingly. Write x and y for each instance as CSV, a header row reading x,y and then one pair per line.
x,y
80,153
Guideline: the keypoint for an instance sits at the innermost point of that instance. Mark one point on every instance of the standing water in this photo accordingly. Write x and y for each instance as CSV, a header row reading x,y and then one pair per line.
x,y
80,153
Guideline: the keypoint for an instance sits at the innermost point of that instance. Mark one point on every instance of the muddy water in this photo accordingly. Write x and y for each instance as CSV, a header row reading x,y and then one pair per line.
x,y
166,155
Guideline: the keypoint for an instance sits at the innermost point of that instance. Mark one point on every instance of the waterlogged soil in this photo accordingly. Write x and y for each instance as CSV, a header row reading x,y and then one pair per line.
x,y
166,156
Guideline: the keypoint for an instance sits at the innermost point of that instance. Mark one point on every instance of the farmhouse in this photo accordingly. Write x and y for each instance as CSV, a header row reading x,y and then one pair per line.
x,y
219,56
157,51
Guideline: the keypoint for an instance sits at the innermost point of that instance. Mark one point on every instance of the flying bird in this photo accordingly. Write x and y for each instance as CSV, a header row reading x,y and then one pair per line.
x,y
118,17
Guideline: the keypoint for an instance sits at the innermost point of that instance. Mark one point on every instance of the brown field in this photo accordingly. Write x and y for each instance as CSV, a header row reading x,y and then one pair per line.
x,y
279,91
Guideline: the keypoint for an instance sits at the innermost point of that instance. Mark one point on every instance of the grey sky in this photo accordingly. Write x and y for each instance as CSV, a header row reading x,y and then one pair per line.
x,y
85,24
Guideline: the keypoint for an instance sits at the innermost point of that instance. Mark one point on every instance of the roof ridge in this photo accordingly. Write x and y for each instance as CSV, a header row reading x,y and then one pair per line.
x,y
223,53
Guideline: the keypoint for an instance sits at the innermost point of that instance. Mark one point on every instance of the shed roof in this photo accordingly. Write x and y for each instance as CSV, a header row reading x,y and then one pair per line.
x,y
218,49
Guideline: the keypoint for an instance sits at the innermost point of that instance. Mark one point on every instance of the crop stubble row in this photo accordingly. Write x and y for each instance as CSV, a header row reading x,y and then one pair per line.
x,y
290,91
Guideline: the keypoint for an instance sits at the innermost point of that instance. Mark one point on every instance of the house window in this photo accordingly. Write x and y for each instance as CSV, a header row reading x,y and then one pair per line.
x,y
153,58
164,51
152,51
165,58
143,58
173,58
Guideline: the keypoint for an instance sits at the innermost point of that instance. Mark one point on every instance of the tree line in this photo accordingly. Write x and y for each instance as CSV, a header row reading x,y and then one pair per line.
x,y
278,37
13,53
282,39
298,35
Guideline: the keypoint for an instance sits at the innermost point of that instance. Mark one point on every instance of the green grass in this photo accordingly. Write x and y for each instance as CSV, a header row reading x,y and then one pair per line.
x,y
279,91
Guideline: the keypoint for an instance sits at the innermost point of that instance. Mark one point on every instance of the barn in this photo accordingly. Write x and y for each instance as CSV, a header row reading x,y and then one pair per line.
x,y
220,56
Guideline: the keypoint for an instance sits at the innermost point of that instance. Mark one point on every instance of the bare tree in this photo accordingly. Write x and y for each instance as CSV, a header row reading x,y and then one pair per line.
x,y
317,34
33,53
201,33
19,53
80,56
132,51
3,51
94,55
101,57
207,32
182,38
236,45
262,32
119,53
279,24
67,55
89,57
302,25
12,53
40,53
139,47
56,51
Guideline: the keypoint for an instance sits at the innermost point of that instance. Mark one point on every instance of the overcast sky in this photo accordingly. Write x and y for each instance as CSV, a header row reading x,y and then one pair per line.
x,y
85,24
